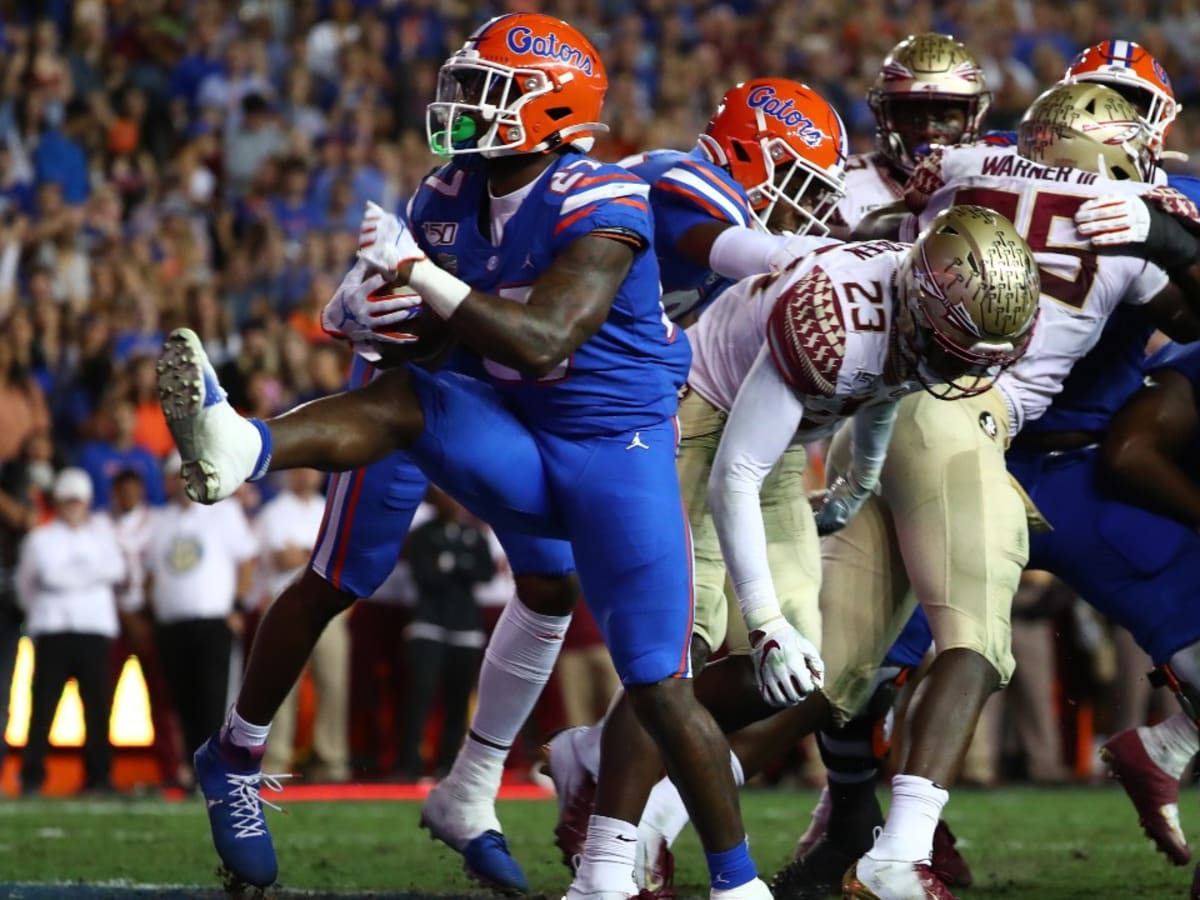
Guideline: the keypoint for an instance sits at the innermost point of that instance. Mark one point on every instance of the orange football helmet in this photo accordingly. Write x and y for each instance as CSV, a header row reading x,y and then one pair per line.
x,y
522,83
782,142
1131,71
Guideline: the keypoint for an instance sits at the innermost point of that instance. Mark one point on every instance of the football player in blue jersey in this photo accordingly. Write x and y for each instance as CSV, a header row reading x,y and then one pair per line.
x,y
1151,553
559,294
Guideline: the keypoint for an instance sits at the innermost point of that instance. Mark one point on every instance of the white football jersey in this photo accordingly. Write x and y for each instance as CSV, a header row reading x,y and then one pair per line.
x,y
869,185
1080,289
826,319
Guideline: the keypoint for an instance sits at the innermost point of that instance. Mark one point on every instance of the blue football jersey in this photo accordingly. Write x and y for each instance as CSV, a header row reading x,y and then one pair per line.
x,y
624,377
686,190
1104,379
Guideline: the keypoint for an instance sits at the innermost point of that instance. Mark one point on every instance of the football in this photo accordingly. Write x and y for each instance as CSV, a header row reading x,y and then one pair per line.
x,y
433,335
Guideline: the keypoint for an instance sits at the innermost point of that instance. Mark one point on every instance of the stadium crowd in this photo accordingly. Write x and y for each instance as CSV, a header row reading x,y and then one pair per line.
x,y
206,163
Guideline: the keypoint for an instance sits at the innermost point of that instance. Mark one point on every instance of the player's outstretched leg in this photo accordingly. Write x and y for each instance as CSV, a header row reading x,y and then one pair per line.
x,y
1149,763
219,448
230,779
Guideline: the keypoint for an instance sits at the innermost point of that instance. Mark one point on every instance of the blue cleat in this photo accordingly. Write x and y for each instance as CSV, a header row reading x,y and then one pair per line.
x,y
230,786
488,860
470,827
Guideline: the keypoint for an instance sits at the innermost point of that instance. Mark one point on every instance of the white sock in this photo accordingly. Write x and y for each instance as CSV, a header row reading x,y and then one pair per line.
x,y
516,666
665,813
908,832
606,863
245,734
1171,744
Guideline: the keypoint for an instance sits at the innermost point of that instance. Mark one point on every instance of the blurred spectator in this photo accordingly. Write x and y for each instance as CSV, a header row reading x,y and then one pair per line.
x,y
252,143
59,156
287,531
23,408
199,563
150,430
133,523
65,579
114,451
448,556
17,516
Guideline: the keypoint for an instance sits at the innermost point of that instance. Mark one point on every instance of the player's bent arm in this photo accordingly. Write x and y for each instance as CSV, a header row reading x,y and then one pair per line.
x,y
737,252
567,305
762,424
882,223
1144,442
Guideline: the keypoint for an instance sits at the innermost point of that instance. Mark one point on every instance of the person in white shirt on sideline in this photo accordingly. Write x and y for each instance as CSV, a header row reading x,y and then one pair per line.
x,y
66,573
199,564
288,527
133,522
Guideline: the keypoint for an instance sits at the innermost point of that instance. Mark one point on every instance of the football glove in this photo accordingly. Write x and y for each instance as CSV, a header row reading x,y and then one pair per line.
x,y
787,667
844,498
364,310
384,242
1131,226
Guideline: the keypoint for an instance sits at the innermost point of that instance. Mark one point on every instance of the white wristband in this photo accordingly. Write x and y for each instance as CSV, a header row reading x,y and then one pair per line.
x,y
442,291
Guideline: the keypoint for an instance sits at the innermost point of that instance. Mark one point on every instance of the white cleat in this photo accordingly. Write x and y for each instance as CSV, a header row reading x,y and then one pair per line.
x,y
454,821
573,894
751,890
576,789
872,879
218,447
654,865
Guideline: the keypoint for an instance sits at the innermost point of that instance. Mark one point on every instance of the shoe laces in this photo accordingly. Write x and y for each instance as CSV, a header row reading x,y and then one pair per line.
x,y
246,802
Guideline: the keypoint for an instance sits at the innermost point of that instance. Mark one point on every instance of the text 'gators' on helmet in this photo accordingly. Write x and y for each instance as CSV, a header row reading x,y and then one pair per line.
x,y
522,83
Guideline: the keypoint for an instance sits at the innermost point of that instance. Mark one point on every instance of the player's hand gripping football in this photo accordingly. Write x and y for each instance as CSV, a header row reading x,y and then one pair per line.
x,y
365,310
386,244
787,667
843,499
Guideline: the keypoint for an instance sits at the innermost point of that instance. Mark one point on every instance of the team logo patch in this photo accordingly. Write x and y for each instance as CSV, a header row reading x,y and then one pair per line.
x,y
447,261
440,233
988,423
1161,73
804,128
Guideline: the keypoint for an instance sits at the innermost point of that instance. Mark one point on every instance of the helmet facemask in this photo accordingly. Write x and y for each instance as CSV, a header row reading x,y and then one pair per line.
x,y
968,291
936,362
896,114
810,195
478,109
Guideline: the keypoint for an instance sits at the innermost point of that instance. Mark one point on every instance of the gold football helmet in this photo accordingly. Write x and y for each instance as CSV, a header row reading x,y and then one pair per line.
x,y
1087,126
968,293
925,78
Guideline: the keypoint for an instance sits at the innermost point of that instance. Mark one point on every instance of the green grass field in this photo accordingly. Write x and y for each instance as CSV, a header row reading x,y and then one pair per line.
x,y
1043,844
